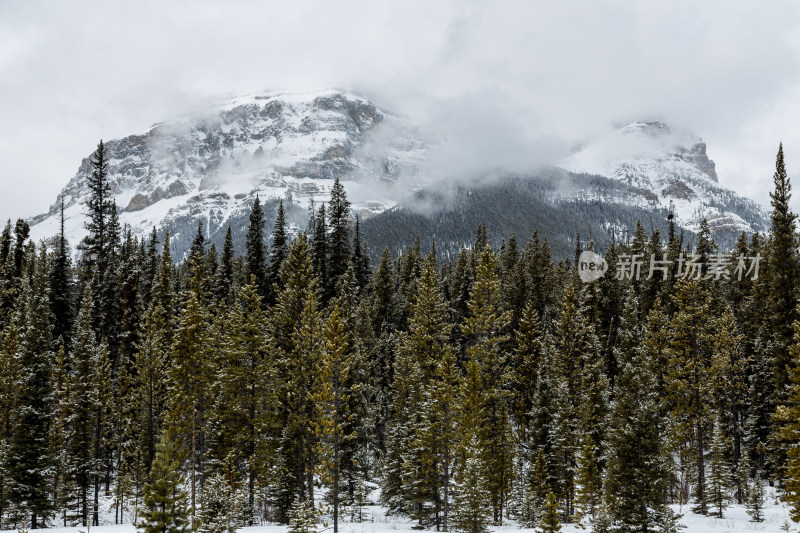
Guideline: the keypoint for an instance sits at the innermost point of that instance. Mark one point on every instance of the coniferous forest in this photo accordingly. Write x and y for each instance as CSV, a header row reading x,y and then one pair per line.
x,y
289,383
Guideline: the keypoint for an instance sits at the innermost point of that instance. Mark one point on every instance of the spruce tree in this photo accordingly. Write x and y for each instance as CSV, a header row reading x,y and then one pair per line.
x,y
9,395
61,288
527,359
689,384
637,461
587,498
246,390
302,517
279,249
788,418
256,254
550,520
221,506
223,279
332,400
729,366
189,381
152,363
164,504
486,330
29,459
98,205
85,403
360,257
719,478
296,329
783,265
756,499
471,514
339,221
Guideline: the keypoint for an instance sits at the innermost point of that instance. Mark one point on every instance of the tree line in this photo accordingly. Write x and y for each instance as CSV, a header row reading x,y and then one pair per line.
x,y
288,383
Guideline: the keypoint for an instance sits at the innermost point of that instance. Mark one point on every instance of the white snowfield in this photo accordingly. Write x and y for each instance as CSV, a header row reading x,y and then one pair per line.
x,y
776,516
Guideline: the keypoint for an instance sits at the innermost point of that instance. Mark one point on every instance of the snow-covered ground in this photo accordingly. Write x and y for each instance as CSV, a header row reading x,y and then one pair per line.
x,y
736,519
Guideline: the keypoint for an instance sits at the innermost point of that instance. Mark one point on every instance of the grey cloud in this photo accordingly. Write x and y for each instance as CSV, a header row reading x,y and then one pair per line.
x,y
508,84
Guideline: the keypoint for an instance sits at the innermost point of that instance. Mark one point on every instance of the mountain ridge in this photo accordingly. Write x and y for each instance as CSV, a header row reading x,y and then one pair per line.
x,y
210,165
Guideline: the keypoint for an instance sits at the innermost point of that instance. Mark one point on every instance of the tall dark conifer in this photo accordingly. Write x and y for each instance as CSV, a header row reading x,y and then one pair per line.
x,y
339,220
319,253
61,289
98,207
278,251
29,456
224,276
783,273
256,254
360,257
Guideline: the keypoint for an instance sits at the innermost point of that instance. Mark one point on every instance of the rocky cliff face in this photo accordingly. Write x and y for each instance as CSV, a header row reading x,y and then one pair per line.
x,y
210,165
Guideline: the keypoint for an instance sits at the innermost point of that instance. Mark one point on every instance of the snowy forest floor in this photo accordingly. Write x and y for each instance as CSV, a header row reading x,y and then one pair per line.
x,y
776,515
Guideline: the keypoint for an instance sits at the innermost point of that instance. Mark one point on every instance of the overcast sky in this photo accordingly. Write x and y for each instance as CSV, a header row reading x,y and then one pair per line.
x,y
528,78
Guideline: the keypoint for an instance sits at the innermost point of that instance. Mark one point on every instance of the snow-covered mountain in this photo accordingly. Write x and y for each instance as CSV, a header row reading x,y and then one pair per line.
x,y
210,165
671,170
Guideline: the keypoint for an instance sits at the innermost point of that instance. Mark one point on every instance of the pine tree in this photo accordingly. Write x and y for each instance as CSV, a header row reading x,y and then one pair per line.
x,y
198,248
189,380
85,402
296,327
29,459
360,258
245,391
152,355
527,359
578,394
485,329
61,288
256,255
319,254
98,205
788,418
471,513
224,276
536,489
332,400
339,221
729,367
550,521
756,499
103,426
164,504
425,407
783,271
302,517
637,463
9,395
221,506
719,479
278,252
689,380
588,481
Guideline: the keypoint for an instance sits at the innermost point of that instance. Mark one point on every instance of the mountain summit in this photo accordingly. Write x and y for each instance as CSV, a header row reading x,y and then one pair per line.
x,y
672,170
209,166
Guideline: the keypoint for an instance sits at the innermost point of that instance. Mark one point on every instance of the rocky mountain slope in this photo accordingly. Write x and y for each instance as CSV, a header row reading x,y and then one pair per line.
x,y
670,168
210,165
